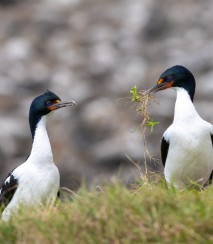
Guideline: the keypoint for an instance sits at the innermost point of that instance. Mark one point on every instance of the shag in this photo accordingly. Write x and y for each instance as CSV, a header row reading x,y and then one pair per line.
x,y
35,182
186,146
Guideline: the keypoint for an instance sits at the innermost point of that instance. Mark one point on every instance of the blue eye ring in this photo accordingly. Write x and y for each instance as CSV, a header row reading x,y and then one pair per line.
x,y
49,103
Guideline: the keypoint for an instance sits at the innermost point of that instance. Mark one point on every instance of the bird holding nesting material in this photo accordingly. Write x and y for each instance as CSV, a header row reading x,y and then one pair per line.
x,y
186,146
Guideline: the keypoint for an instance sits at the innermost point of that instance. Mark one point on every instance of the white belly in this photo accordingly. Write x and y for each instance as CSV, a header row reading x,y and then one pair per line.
x,y
36,187
190,157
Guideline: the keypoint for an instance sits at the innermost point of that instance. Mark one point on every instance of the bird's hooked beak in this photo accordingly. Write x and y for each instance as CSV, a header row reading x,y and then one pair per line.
x,y
60,104
162,84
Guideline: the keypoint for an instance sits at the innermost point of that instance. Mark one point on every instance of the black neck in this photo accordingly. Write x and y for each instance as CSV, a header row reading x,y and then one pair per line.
x,y
34,120
188,85
191,91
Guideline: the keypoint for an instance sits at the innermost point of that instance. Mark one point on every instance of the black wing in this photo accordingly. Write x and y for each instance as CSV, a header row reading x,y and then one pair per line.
x,y
7,190
164,150
210,178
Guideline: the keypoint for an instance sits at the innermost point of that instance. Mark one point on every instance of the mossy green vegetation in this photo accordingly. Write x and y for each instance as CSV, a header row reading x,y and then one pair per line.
x,y
149,212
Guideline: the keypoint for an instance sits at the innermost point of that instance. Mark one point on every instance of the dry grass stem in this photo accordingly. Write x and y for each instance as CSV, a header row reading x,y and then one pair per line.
x,y
142,101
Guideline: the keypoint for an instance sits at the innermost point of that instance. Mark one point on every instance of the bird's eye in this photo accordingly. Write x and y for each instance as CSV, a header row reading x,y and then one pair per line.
x,y
168,78
49,103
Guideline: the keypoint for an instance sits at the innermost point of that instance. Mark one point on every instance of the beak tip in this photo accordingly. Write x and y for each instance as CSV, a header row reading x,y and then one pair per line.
x,y
62,105
73,103
152,90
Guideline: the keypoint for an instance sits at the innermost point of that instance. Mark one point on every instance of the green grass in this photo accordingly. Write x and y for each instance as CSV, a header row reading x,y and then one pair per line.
x,y
149,213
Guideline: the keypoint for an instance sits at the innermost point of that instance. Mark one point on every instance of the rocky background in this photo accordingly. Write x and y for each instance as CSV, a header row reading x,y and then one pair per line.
x,y
94,52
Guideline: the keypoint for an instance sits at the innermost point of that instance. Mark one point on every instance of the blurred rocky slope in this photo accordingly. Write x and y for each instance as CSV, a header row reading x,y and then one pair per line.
x,y
93,52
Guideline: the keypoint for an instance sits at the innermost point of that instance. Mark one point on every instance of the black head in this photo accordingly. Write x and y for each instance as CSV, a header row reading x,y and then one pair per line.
x,y
43,105
176,76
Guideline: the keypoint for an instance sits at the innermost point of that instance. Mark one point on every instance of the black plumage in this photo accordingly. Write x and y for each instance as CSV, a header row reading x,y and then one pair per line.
x,y
7,190
164,150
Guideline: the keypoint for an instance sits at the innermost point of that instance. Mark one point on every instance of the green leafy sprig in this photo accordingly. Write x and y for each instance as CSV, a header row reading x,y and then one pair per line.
x,y
142,100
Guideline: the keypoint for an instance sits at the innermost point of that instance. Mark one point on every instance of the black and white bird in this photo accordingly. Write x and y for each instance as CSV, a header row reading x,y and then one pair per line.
x,y
186,146
35,182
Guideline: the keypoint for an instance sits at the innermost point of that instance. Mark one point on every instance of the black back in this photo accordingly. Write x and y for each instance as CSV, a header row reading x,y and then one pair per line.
x,y
164,150
8,189
210,178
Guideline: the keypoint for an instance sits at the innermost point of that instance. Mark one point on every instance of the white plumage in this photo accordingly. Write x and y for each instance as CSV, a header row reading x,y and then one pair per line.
x,y
35,182
190,154
187,145
38,177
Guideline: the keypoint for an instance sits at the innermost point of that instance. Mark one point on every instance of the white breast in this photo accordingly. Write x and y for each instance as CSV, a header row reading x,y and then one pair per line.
x,y
38,178
190,155
36,188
